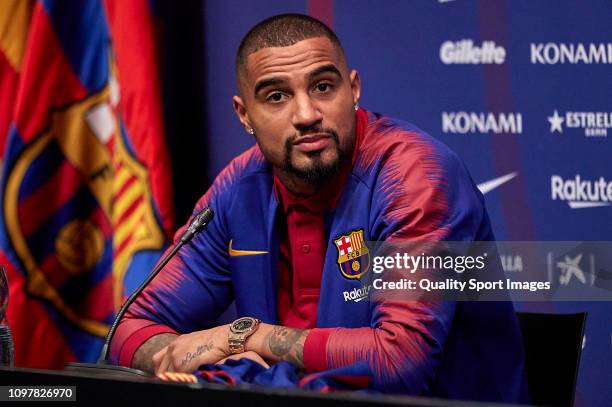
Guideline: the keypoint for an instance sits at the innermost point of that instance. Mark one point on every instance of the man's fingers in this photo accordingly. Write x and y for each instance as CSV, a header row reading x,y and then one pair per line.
x,y
161,361
245,355
157,358
165,365
254,356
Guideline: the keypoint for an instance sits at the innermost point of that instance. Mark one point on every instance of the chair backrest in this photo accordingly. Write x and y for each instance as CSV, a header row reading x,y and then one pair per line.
x,y
553,343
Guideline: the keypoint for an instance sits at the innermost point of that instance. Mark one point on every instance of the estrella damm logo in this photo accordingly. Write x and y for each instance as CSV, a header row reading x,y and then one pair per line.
x,y
353,254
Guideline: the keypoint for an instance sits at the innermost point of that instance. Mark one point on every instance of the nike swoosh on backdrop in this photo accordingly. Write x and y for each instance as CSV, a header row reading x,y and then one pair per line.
x,y
237,253
489,186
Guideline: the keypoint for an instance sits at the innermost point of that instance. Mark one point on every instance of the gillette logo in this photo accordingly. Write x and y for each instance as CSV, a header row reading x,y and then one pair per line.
x,y
465,52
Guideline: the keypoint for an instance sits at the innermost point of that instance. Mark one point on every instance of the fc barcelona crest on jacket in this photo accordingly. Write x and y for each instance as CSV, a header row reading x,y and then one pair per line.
x,y
353,254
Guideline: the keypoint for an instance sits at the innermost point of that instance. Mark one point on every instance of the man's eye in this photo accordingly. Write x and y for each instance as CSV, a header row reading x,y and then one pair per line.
x,y
323,87
275,97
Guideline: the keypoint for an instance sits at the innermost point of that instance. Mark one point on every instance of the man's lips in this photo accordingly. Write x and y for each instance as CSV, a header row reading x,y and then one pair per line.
x,y
312,142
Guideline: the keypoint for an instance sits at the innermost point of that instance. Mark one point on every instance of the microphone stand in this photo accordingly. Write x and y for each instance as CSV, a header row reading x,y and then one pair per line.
x,y
199,222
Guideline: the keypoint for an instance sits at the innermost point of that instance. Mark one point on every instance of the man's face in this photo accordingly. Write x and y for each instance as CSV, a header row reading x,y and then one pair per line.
x,y
300,102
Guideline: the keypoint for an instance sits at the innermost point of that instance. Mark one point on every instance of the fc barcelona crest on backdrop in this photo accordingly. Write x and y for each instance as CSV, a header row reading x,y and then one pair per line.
x,y
353,254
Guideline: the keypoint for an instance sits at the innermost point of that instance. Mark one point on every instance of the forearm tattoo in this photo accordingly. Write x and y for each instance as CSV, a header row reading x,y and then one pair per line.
x,y
288,344
143,358
189,356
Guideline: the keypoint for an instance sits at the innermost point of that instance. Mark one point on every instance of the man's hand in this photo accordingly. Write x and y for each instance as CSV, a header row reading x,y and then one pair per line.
x,y
187,352
268,344
275,343
246,355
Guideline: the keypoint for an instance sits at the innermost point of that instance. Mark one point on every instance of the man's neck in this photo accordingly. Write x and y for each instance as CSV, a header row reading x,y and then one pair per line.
x,y
297,186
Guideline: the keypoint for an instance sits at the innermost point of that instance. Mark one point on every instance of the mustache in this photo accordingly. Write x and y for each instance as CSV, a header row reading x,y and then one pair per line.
x,y
312,131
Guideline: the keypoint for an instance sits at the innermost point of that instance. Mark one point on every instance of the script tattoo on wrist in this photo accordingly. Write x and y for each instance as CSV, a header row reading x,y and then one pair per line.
x,y
189,356
288,344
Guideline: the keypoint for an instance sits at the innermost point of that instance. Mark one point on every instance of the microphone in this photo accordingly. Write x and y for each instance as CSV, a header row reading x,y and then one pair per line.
x,y
198,223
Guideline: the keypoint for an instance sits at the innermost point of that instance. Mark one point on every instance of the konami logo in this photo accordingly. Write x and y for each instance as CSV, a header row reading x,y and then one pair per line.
x,y
559,53
480,122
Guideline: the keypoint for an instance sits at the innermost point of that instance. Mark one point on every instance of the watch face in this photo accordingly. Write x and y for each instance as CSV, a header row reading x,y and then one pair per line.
x,y
242,324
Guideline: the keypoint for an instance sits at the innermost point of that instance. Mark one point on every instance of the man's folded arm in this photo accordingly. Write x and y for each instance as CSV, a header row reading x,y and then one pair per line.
x,y
189,294
399,354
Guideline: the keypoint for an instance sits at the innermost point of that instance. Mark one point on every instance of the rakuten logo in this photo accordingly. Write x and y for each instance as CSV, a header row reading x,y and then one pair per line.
x,y
581,193
357,294
473,122
465,52
552,53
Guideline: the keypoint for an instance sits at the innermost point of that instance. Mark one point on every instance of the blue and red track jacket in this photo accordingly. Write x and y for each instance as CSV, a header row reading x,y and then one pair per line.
x,y
404,185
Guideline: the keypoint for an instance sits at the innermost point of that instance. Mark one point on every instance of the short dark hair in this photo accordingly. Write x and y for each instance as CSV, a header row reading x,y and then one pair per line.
x,y
282,30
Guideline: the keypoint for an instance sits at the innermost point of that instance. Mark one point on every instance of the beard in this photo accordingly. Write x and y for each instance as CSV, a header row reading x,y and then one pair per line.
x,y
318,170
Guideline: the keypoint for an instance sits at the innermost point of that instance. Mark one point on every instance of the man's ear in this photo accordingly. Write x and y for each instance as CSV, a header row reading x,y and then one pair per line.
x,y
241,112
355,86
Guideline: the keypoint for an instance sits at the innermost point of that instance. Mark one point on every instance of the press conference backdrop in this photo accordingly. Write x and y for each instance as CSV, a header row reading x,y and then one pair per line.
x,y
520,90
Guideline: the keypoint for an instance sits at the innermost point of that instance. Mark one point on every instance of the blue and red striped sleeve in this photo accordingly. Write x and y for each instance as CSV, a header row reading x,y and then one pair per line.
x,y
422,193
194,288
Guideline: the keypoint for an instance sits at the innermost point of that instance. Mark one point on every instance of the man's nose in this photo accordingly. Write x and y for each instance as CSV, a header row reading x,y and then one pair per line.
x,y
306,112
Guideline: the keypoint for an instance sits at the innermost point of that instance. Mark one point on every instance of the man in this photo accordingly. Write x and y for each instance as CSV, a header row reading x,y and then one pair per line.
x,y
324,176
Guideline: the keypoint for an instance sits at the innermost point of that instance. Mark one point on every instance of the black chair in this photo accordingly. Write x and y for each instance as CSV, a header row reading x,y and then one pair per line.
x,y
552,343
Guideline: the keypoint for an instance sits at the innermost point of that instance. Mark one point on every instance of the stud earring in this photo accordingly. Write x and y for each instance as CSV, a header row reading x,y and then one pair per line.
x,y
356,106
250,130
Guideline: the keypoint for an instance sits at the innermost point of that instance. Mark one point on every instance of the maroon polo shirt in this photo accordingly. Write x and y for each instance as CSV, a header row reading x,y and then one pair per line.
x,y
302,253
303,245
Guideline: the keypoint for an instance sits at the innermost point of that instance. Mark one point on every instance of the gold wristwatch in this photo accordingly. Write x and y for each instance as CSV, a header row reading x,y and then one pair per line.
x,y
239,331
